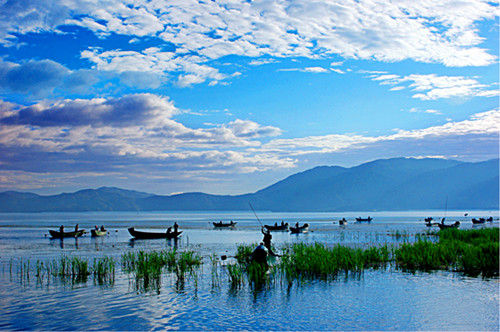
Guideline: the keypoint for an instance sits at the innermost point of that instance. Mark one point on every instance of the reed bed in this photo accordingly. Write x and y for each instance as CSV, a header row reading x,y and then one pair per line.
x,y
472,252
147,267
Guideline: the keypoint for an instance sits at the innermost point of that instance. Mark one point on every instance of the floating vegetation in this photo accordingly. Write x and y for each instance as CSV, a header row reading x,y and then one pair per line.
x,y
235,274
147,267
472,252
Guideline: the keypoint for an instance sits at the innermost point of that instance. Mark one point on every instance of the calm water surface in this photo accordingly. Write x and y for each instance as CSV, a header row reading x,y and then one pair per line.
x,y
385,299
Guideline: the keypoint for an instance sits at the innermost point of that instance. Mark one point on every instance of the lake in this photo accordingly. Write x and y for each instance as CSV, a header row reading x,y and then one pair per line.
x,y
383,299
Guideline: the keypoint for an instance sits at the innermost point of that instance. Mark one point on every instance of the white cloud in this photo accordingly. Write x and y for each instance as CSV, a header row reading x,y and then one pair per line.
x,y
130,130
427,31
314,70
485,123
432,86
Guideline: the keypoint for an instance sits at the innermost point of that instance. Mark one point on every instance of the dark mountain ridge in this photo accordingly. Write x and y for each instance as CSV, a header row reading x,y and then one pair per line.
x,y
385,184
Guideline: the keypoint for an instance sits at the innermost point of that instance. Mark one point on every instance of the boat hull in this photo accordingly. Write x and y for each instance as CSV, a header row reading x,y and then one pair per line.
x,y
278,228
455,225
59,235
222,225
153,235
300,229
364,219
96,233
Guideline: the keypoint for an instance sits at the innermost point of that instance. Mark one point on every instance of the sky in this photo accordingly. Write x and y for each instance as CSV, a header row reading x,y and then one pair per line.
x,y
227,97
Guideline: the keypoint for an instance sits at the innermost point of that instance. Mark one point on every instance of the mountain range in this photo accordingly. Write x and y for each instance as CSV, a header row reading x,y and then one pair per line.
x,y
383,185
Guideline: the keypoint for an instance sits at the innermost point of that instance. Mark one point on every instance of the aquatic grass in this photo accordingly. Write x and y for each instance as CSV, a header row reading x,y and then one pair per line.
x,y
244,253
321,261
148,267
235,273
472,252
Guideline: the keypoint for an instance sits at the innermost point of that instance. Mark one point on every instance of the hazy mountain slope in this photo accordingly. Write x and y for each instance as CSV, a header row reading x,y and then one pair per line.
x,y
390,184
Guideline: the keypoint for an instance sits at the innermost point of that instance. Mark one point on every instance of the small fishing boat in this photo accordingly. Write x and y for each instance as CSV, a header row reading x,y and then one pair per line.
x,y
220,224
429,219
96,232
342,221
60,235
300,229
364,219
153,235
456,224
282,227
478,221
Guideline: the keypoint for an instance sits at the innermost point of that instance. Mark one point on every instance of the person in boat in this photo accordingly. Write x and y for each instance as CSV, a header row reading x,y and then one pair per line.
x,y
442,221
176,227
96,228
169,230
76,228
102,228
259,254
61,229
282,223
297,224
275,224
267,240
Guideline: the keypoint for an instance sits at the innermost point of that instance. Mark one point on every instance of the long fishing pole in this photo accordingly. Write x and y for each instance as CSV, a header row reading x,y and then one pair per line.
x,y
255,214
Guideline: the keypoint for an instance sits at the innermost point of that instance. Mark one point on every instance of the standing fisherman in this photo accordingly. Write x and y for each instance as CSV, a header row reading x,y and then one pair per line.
x,y
267,240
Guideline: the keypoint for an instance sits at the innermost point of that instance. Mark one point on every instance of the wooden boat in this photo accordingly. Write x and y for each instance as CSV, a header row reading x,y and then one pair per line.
x,y
364,219
153,235
220,224
342,221
456,224
478,221
283,227
301,229
59,235
96,232
429,219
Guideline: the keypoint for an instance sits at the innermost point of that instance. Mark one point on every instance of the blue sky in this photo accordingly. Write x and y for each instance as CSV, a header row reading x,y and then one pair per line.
x,y
230,96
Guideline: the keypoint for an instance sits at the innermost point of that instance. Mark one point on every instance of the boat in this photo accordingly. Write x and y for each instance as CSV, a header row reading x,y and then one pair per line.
x,y
96,232
60,235
490,219
364,219
153,235
342,221
300,229
220,224
478,221
429,219
456,224
282,227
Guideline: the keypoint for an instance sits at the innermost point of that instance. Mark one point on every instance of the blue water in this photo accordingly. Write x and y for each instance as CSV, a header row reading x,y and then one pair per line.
x,y
386,299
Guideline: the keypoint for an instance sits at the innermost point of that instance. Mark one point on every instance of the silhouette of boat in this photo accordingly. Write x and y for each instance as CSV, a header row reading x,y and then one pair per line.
x,y
429,219
478,221
456,224
59,235
342,221
153,235
283,227
301,229
364,219
221,224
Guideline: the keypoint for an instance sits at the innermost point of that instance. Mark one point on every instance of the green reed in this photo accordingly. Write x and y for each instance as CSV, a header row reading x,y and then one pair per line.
x,y
148,267
321,261
472,252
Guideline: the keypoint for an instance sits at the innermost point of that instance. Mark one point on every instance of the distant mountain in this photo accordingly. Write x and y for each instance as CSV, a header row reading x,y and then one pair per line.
x,y
101,199
388,184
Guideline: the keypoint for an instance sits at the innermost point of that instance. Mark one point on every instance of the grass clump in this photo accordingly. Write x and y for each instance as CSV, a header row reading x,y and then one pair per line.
x,y
147,267
321,261
472,252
